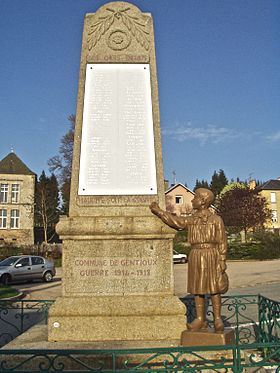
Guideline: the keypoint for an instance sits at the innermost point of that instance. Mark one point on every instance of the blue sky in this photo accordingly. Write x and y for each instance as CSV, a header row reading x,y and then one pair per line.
x,y
218,76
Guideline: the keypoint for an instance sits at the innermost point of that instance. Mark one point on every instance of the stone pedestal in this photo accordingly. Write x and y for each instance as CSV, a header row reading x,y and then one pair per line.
x,y
116,286
210,338
127,318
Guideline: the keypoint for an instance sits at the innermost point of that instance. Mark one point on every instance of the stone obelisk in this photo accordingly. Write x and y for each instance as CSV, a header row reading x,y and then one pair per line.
x,y
117,257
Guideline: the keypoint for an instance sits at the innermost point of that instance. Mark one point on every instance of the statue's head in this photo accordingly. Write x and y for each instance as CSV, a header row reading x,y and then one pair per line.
x,y
203,198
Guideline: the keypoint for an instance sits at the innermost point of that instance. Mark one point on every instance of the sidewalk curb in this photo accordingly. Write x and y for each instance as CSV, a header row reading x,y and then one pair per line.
x,y
16,297
251,260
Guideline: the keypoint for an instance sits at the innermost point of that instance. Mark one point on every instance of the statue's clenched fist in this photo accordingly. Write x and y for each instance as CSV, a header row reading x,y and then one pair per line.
x,y
154,207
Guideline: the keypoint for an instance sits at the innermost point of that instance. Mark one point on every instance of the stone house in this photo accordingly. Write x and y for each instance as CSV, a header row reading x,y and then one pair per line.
x,y
271,191
178,199
17,189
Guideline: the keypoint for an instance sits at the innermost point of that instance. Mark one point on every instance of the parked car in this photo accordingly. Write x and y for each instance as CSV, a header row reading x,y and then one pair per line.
x,y
179,258
26,268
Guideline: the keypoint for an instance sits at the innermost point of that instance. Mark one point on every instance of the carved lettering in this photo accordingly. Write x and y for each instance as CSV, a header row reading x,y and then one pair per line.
x,y
121,58
140,268
114,200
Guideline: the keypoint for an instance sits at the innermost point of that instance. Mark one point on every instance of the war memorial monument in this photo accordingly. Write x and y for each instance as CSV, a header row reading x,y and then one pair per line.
x,y
118,311
117,256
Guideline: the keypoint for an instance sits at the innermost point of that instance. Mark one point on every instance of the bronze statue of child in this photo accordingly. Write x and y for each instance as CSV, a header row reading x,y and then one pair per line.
x,y
207,259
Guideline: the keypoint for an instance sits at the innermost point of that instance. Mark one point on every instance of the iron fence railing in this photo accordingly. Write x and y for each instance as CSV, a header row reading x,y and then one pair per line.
x,y
234,358
18,316
269,320
254,318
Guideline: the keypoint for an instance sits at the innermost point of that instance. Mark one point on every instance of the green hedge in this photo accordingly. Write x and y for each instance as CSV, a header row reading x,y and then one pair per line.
x,y
6,251
52,251
262,246
244,251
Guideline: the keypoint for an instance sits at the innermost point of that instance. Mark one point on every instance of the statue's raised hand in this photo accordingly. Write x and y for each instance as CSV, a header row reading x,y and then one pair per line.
x,y
154,207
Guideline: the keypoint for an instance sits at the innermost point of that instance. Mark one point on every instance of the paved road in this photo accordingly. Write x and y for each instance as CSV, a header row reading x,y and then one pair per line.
x,y
249,277
270,290
39,290
245,278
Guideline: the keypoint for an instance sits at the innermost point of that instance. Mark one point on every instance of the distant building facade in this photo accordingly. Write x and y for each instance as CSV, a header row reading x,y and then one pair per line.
x,y
178,200
271,191
17,190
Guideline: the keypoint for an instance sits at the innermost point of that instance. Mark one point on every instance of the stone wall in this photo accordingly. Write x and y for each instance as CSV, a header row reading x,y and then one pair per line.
x,y
274,206
25,233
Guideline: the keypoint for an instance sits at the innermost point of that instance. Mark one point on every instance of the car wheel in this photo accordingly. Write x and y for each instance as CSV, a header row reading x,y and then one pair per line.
x,y
48,277
5,279
183,260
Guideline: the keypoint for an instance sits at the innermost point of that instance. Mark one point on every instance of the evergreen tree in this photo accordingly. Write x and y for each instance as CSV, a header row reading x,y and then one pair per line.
x,y
46,204
201,184
259,183
218,182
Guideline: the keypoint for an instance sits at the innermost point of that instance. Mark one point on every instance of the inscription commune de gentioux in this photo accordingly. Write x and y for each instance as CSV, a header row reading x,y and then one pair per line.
x,y
140,268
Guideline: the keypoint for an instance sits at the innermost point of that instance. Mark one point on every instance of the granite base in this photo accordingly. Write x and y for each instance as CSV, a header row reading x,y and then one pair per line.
x,y
108,318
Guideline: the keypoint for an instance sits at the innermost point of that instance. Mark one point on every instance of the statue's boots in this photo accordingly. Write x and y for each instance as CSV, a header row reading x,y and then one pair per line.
x,y
218,322
198,324
219,325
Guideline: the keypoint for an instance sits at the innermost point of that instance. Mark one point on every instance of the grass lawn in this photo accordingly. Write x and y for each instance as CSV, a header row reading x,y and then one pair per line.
x,y
7,292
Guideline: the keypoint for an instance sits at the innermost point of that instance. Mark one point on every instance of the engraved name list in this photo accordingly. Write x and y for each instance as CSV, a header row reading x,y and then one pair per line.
x,y
117,147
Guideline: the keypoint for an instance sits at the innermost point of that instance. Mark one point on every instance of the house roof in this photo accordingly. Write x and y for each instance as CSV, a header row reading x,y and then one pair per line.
x,y
11,164
187,189
270,185
176,185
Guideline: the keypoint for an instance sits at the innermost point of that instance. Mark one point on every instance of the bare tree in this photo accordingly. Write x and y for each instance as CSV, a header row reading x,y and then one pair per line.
x,y
61,164
46,204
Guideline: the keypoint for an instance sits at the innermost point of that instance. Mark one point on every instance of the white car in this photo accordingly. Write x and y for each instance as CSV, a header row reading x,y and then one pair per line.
x,y
179,258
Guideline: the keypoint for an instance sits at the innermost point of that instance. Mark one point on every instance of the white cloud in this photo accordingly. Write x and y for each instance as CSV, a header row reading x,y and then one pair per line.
x,y
209,133
274,137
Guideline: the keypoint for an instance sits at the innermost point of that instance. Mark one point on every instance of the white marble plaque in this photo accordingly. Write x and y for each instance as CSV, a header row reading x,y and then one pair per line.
x,y
117,146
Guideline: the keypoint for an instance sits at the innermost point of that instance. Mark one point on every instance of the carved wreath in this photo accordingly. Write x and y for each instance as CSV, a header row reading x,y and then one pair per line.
x,y
137,28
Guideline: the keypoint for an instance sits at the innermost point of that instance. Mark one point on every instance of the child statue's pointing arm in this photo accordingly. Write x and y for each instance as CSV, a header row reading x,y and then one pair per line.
x,y
173,221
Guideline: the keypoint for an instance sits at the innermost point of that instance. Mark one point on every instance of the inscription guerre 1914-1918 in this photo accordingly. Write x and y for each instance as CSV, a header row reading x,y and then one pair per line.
x,y
140,268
